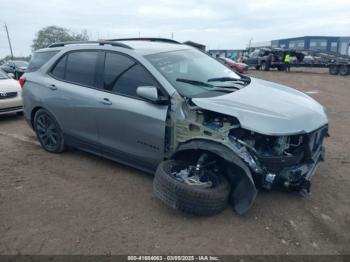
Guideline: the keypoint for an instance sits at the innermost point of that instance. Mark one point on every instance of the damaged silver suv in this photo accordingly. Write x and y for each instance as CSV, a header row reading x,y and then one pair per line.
x,y
212,136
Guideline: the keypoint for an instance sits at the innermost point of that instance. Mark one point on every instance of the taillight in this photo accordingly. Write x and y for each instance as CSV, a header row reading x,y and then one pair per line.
x,y
21,81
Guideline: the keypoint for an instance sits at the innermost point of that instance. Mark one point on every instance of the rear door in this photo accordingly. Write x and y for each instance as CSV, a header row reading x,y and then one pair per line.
x,y
72,98
131,129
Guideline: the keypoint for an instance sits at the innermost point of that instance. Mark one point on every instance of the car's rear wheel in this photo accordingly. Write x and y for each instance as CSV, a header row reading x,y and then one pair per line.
x,y
48,132
264,66
207,195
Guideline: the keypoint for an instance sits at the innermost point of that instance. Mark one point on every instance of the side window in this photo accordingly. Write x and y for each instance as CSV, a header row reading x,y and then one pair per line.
x,y
123,75
80,68
59,69
115,65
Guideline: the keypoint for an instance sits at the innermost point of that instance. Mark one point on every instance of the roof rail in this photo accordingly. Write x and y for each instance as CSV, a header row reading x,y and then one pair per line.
x,y
152,39
58,44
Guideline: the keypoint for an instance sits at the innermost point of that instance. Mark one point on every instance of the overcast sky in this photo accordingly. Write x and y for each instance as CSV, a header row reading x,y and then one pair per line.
x,y
217,24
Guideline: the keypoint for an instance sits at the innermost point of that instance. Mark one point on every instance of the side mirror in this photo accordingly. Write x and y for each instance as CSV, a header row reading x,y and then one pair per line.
x,y
148,93
10,75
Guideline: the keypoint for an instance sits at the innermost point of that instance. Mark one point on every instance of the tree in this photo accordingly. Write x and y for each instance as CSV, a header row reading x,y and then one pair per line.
x,y
52,34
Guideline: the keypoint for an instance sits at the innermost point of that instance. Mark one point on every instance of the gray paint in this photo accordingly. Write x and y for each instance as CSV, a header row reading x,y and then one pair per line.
x,y
269,108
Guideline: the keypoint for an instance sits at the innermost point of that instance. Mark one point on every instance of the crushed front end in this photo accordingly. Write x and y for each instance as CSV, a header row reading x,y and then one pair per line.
x,y
281,161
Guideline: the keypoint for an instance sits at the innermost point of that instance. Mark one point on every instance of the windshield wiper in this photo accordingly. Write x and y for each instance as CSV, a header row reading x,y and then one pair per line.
x,y
194,82
226,79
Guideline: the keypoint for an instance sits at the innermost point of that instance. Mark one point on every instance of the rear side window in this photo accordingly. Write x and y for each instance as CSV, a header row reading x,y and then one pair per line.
x,y
60,68
77,67
122,75
39,59
80,68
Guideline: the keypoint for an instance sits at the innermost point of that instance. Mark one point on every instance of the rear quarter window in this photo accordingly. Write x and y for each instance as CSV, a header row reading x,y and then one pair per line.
x,y
39,59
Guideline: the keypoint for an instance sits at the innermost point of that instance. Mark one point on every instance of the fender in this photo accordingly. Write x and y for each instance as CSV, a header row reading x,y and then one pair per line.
x,y
244,191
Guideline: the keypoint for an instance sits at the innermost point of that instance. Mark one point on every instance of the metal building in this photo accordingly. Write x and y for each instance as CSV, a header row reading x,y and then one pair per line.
x,y
336,44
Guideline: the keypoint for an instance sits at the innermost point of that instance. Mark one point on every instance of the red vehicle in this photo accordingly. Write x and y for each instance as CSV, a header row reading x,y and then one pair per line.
x,y
239,67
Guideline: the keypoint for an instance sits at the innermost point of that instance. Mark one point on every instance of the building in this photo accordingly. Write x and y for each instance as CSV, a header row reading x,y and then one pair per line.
x,y
336,44
229,53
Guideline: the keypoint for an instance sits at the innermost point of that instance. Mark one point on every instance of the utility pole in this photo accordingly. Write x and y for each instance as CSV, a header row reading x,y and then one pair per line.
x,y
250,43
8,38
172,35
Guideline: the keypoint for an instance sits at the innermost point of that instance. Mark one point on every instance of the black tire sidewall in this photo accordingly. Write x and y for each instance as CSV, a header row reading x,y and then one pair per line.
x,y
61,144
191,199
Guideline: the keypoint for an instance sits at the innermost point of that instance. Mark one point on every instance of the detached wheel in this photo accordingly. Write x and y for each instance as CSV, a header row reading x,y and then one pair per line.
x,y
48,132
206,196
334,70
344,70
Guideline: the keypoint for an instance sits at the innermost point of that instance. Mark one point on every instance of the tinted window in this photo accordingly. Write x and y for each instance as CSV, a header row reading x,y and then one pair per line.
x,y
115,65
80,68
39,59
59,69
123,75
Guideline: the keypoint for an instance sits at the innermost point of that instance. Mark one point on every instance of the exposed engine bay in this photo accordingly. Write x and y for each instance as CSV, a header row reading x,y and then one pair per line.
x,y
274,161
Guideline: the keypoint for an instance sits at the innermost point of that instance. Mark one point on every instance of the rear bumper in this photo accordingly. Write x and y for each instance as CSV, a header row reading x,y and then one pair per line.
x,y
11,105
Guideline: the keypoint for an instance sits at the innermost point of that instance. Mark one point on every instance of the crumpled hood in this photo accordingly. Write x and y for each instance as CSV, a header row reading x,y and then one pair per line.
x,y
269,108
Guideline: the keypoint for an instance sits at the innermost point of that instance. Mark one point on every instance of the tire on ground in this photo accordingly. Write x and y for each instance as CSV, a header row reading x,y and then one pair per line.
x,y
264,66
61,146
187,198
344,70
333,69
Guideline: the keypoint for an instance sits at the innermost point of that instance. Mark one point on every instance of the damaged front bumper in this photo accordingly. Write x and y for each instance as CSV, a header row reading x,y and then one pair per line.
x,y
292,172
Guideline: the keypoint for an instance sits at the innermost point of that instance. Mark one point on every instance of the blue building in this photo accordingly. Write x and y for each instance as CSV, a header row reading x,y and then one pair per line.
x,y
336,44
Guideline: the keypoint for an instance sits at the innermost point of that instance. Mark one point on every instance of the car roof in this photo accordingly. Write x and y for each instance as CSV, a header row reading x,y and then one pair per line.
x,y
141,47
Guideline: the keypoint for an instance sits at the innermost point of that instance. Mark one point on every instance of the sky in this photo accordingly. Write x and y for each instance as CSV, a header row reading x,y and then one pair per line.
x,y
220,24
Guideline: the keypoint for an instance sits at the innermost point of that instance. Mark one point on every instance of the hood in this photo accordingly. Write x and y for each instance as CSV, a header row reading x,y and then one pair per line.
x,y
269,108
9,85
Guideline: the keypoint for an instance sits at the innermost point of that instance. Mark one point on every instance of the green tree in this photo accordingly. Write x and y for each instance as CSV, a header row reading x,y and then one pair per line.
x,y
52,34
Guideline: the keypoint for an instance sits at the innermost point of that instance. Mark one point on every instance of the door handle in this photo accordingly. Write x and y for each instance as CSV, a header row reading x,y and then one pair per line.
x,y
105,101
53,87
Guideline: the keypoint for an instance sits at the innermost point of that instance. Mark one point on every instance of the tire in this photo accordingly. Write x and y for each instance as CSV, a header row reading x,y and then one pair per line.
x,y
257,67
280,68
264,66
49,132
334,70
344,70
188,198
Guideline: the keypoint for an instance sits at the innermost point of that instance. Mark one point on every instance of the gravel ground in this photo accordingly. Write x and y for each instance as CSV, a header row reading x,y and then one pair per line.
x,y
77,203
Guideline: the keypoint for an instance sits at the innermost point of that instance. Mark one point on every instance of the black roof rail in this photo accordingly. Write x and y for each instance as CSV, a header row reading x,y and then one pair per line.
x,y
102,42
152,39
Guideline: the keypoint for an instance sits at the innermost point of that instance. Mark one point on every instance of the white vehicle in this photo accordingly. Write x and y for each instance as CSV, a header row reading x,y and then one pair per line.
x,y
10,95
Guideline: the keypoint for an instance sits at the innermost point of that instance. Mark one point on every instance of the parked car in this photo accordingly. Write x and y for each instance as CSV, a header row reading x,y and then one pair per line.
x,y
10,95
266,58
211,135
239,67
17,68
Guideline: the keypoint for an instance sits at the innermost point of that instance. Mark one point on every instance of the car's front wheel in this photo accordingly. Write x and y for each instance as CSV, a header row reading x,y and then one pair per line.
x,y
178,187
48,132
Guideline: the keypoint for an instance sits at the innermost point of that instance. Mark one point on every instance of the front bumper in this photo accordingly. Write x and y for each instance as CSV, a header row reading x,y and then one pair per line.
x,y
295,172
11,105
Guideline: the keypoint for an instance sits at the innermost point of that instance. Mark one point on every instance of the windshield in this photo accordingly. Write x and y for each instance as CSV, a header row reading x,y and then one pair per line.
x,y
3,75
191,65
21,63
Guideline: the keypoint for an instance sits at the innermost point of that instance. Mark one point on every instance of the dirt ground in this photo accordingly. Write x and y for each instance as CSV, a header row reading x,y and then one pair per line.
x,y
77,203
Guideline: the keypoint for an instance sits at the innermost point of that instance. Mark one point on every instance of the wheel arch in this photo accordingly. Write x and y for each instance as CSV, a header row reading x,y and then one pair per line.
x,y
243,187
